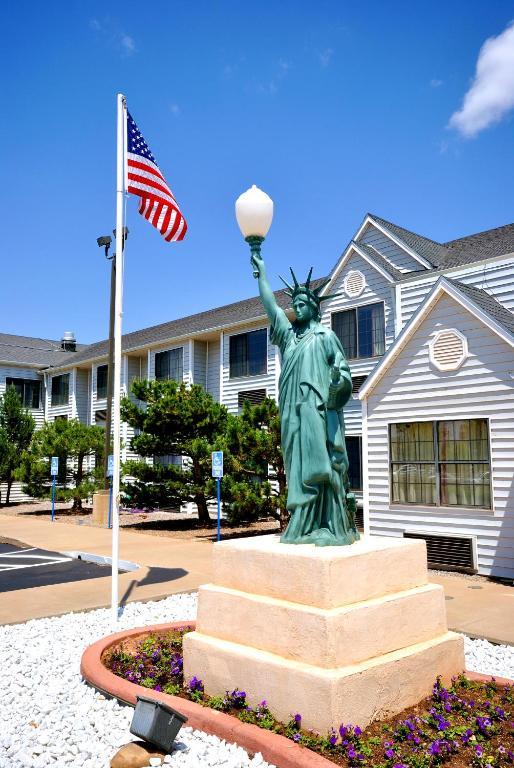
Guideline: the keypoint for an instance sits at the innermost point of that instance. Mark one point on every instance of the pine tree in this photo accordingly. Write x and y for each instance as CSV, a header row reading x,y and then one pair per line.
x,y
16,430
173,420
74,444
255,459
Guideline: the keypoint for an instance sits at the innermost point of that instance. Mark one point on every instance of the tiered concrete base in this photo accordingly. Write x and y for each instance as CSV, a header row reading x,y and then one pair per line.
x,y
339,634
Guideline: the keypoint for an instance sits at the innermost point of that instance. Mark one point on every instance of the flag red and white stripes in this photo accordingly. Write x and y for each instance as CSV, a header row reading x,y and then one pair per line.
x,y
144,179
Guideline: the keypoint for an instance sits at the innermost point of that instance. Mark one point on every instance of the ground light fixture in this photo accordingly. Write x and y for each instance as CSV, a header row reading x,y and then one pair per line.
x,y
156,723
254,214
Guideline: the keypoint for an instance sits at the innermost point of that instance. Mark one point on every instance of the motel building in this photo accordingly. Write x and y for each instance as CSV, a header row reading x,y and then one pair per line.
x,y
428,329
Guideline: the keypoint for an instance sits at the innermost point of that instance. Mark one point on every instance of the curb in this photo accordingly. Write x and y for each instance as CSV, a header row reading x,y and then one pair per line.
x,y
274,748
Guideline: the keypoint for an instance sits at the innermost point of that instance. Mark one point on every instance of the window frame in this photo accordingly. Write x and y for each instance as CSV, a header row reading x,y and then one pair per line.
x,y
178,349
437,462
359,439
356,309
104,366
9,382
232,376
62,401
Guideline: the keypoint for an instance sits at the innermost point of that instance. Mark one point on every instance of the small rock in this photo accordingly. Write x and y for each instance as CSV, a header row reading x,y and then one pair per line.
x,y
137,754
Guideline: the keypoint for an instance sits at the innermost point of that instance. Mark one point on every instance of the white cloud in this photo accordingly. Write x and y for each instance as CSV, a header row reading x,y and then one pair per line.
x,y
325,56
491,95
128,45
435,83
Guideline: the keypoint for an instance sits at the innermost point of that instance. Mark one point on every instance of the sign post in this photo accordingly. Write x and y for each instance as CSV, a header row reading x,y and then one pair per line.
x,y
54,471
110,473
217,472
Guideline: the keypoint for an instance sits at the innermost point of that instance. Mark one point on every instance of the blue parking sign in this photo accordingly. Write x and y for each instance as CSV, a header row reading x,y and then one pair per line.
x,y
110,465
217,463
54,466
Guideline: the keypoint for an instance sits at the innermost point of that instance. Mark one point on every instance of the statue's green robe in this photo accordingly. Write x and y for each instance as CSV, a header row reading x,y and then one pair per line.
x,y
313,442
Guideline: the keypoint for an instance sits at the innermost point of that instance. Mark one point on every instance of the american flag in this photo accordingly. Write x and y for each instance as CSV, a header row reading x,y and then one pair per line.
x,y
146,181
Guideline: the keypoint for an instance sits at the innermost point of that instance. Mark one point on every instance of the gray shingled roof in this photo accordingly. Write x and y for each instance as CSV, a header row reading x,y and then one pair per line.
x,y
379,259
26,350
487,303
483,245
454,253
230,314
432,251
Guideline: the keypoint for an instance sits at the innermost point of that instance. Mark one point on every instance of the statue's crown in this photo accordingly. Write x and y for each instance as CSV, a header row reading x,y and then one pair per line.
x,y
313,294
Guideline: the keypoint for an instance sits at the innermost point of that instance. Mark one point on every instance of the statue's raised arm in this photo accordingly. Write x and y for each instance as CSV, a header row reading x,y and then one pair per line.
x,y
267,296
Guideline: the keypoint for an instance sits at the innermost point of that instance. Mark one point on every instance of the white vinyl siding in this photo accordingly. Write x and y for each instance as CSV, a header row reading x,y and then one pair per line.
x,y
213,369
412,389
82,395
496,278
200,363
267,381
399,258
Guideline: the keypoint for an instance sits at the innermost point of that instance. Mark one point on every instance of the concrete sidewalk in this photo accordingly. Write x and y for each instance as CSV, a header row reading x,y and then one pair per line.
x,y
167,566
477,607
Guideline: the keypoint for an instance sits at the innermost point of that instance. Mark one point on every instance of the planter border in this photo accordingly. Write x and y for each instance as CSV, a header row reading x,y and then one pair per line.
x,y
274,748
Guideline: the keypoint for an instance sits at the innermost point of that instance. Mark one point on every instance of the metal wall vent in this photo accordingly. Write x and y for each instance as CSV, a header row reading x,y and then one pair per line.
x,y
450,553
448,350
359,518
357,382
253,396
354,284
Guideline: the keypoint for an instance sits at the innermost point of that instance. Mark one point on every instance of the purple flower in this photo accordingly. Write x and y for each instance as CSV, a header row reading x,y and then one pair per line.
x,y
297,718
435,748
478,750
389,753
195,684
357,730
297,737
351,753
158,688
263,704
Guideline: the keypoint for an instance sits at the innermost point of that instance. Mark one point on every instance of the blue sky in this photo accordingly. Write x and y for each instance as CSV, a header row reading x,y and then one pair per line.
x,y
333,108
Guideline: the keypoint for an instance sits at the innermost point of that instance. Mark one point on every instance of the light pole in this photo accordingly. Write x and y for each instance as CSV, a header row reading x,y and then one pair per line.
x,y
254,214
105,242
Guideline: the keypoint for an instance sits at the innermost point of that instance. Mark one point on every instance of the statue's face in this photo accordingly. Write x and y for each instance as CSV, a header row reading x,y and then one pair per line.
x,y
302,309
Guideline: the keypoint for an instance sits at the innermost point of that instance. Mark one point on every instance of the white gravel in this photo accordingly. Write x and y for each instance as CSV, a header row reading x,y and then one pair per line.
x,y
50,717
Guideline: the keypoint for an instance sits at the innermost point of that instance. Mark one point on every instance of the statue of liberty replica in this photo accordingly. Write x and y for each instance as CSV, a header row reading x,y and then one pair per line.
x,y
315,384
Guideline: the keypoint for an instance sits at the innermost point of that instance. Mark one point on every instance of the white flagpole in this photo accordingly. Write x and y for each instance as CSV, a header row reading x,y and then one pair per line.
x,y
118,301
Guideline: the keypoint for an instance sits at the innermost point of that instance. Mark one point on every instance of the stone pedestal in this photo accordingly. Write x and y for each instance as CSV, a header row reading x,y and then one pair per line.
x,y
339,634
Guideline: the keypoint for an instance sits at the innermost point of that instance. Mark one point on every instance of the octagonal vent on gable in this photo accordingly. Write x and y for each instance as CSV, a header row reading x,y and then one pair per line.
x,y
354,284
448,349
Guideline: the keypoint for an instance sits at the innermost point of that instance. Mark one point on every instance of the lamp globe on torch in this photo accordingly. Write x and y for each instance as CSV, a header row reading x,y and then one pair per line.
x,y
254,214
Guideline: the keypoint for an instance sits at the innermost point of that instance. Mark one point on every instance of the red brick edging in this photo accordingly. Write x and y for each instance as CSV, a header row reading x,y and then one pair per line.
x,y
275,749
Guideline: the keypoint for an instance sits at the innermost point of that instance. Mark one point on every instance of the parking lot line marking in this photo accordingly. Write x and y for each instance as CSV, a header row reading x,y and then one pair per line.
x,y
17,551
21,556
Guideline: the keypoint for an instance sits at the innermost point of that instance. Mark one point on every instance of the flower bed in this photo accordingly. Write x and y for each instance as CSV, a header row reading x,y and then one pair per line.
x,y
469,724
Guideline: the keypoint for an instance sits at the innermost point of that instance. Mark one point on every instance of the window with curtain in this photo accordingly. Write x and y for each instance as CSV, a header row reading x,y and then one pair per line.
x,y
101,381
29,391
354,451
443,463
61,389
170,365
361,330
247,353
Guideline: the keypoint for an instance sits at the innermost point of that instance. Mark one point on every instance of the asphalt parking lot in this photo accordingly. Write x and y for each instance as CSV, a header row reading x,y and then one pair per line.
x,y
26,567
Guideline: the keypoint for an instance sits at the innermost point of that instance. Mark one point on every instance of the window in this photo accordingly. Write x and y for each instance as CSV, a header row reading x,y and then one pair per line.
x,y
443,463
101,381
354,451
29,391
169,364
61,389
101,418
248,353
361,331
167,461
